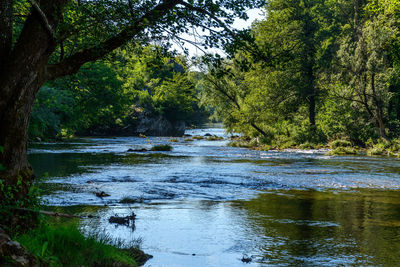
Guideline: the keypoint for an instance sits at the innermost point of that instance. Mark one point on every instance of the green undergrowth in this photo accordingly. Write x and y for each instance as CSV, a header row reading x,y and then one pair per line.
x,y
62,244
214,138
385,148
339,147
340,151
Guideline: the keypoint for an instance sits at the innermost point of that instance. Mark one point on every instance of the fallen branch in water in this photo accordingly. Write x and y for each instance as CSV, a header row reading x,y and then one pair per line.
x,y
56,214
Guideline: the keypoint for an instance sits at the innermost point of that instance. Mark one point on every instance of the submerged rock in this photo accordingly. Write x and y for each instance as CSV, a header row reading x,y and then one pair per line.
x,y
246,259
125,220
159,126
137,150
101,194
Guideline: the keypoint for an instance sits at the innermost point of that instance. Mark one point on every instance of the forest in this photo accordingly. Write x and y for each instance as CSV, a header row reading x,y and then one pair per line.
x,y
312,72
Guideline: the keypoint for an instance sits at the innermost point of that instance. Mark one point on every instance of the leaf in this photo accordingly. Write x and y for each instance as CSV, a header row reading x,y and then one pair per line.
x,y
1,149
44,248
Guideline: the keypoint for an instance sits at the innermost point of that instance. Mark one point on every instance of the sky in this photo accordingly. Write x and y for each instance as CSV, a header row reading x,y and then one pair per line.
x,y
253,14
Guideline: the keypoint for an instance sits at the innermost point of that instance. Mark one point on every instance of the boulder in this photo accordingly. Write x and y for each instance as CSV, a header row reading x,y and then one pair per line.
x,y
159,126
16,254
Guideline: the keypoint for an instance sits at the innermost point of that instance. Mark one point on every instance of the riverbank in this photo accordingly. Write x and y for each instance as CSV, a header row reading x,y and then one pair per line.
x,y
60,242
337,147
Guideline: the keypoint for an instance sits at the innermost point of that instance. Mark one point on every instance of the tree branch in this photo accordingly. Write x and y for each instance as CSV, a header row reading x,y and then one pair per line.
x,y
72,64
44,20
205,12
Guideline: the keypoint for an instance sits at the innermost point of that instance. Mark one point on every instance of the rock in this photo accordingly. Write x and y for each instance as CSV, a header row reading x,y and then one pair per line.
x,y
15,252
208,134
246,259
126,220
38,139
102,194
137,150
187,135
159,126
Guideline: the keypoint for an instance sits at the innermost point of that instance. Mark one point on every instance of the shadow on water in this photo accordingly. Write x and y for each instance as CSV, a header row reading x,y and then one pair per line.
x,y
326,228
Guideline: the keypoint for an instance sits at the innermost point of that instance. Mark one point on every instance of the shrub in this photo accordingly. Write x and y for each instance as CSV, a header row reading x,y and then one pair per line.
x,y
307,145
377,149
340,143
343,151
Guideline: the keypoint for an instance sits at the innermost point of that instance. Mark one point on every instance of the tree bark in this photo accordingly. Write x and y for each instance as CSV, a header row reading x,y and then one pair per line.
x,y
20,80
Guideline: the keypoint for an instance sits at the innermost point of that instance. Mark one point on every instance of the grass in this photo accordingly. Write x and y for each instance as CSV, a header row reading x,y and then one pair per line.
x,y
308,145
215,138
64,245
377,149
340,143
161,148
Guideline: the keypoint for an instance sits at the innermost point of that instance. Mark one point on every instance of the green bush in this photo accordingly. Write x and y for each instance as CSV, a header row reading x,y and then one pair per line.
x,y
377,149
340,143
343,151
307,145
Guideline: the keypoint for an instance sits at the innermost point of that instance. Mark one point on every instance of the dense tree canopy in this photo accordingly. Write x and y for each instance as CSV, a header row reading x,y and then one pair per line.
x,y
329,71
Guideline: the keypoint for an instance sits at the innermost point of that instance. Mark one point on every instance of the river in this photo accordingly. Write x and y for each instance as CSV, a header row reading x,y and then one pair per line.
x,y
207,204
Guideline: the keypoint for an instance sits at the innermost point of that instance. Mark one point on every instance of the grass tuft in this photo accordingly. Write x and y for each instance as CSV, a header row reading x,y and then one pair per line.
x,y
65,245
340,143
340,151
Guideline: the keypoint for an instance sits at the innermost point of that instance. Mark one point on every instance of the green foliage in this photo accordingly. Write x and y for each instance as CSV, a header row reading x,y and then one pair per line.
x,y
340,143
103,97
377,149
64,245
162,148
341,151
52,107
11,201
321,70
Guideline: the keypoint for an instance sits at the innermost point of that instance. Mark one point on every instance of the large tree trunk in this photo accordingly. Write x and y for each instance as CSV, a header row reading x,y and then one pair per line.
x,y
20,78
13,137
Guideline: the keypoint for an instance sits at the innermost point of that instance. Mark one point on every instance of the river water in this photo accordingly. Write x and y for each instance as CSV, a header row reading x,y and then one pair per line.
x,y
207,204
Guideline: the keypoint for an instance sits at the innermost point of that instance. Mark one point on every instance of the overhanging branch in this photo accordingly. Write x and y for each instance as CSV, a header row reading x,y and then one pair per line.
x,y
205,12
71,64
44,20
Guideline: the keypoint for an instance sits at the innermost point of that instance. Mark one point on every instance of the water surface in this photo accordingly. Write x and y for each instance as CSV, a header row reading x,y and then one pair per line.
x,y
206,204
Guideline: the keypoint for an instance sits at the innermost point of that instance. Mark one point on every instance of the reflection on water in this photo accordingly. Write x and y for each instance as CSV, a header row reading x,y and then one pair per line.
x,y
205,204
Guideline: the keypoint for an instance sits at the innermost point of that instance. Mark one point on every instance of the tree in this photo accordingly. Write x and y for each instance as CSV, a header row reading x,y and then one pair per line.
x,y
367,73
44,40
